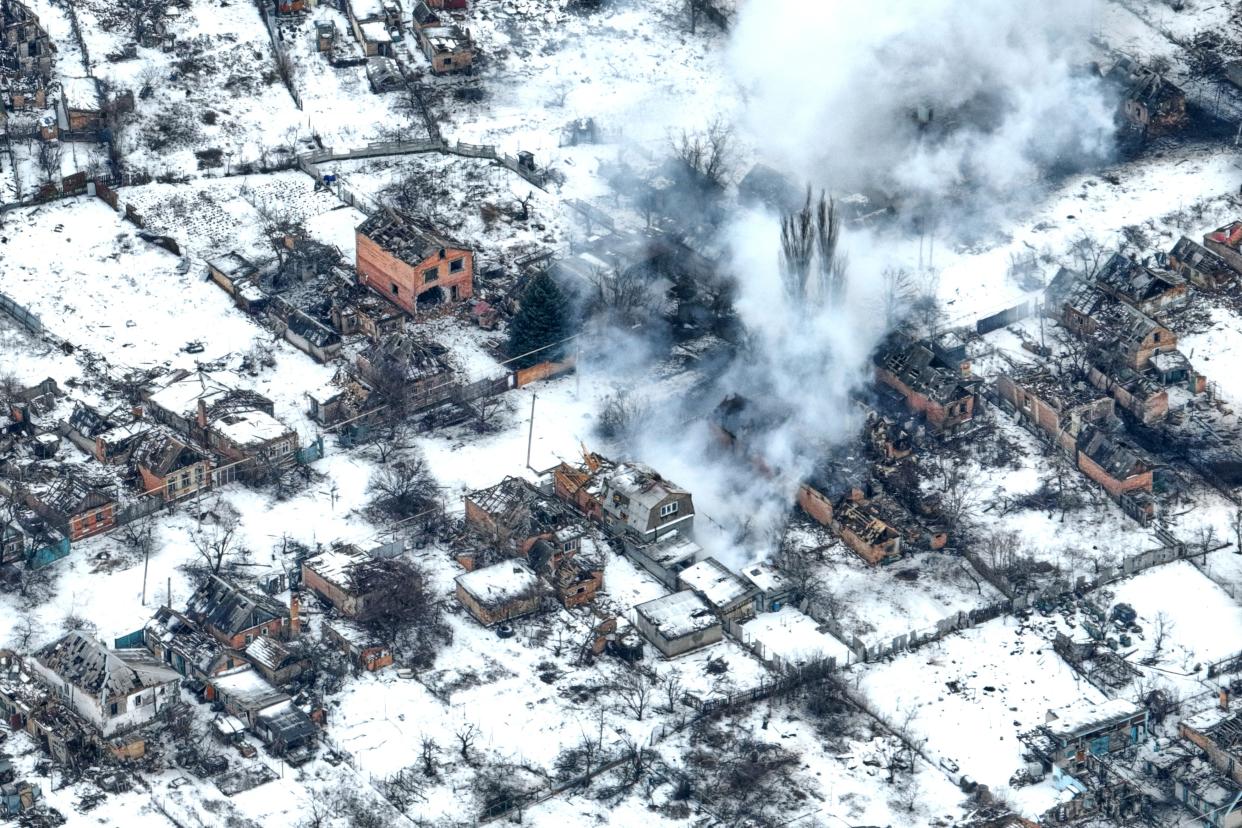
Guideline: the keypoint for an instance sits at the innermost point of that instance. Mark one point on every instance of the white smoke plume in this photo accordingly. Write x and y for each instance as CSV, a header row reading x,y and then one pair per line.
x,y
833,89
830,90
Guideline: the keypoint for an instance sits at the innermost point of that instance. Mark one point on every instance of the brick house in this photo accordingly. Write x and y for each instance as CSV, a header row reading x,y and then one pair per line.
x,y
410,266
1149,101
234,617
175,640
944,393
1058,408
575,574
1226,242
364,648
350,579
448,47
1117,466
1203,267
75,507
171,467
512,515
1143,288
500,592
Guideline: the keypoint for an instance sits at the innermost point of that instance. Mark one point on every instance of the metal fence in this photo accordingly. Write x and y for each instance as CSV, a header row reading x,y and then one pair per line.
x,y
21,315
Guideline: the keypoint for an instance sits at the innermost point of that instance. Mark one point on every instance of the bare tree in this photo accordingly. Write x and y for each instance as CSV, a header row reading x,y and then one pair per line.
x,y
672,692
624,297
466,736
49,161
1236,522
404,488
217,542
1162,627
635,690
1089,255
708,154
403,612
428,751
898,291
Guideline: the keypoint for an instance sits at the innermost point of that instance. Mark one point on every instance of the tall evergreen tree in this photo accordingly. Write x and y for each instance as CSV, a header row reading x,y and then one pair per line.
x,y
542,320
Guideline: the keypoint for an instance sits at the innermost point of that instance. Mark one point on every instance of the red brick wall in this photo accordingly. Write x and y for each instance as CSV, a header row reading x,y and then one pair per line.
x,y
1111,484
815,505
379,270
81,527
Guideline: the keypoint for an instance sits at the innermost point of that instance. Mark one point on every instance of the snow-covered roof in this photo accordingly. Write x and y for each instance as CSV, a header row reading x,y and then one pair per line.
x,y
718,586
247,689
498,584
673,548
181,396
376,32
1073,719
767,579
267,652
336,565
250,428
678,615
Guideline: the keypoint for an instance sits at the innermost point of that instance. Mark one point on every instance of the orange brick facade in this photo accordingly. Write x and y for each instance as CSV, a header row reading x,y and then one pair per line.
x,y
451,272
92,522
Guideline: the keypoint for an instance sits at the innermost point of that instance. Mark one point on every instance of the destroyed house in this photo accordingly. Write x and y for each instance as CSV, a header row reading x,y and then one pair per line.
x,y
1130,337
273,660
384,75
1107,459
679,623
418,367
1226,242
171,467
26,49
1214,799
1203,267
271,714
639,502
365,648
28,538
581,486
862,527
942,394
575,577
234,617
238,423
730,596
1056,405
285,728
500,592
765,186
75,507
513,514
742,423
1070,734
1218,733
410,266
447,46
843,475
1072,299
115,690
351,580
176,641
1149,101
117,444
239,277
1147,290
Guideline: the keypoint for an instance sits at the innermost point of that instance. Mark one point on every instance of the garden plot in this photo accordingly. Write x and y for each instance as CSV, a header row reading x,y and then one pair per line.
x,y
877,604
212,217
971,694
338,102
523,700
634,67
218,106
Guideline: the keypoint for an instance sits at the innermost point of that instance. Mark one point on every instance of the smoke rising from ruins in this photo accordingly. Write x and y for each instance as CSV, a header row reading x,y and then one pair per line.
x,y
952,107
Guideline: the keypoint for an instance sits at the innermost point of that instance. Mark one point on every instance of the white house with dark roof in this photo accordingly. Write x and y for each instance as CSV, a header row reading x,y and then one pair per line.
x,y
115,690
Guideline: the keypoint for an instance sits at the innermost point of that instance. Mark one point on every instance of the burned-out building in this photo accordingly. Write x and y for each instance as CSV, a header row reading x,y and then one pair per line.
x,y
75,506
511,516
172,467
1150,102
1203,267
411,266
351,580
1058,406
1143,288
235,617
935,382
447,46
1071,734
415,368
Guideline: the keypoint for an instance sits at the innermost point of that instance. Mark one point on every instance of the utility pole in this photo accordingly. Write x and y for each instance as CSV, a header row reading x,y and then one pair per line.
x,y
530,435
146,559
